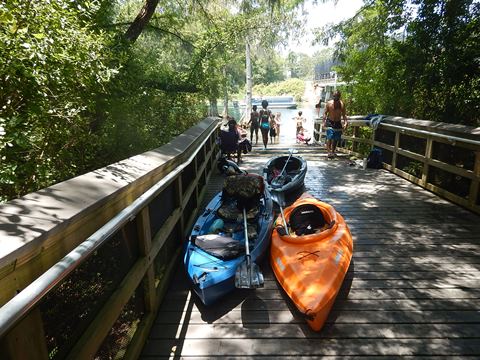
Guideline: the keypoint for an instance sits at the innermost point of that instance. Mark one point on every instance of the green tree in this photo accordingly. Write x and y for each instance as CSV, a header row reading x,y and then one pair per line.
x,y
85,83
53,65
414,59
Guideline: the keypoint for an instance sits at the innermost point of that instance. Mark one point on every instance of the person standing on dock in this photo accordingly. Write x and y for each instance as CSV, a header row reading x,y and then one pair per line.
x,y
332,120
253,122
265,117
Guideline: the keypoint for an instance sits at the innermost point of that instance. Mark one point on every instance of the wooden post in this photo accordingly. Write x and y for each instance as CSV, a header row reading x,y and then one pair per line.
x,y
26,340
145,246
372,139
354,140
179,204
196,192
396,146
428,157
475,183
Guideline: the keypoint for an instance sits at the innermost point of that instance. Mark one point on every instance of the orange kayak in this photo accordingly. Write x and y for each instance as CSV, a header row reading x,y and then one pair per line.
x,y
310,262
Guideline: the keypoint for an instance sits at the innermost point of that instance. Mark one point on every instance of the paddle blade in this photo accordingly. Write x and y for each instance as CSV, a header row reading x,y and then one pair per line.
x,y
278,197
248,275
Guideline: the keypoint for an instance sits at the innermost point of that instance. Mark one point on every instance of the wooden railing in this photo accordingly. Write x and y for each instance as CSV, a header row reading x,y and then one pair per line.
x,y
85,263
443,158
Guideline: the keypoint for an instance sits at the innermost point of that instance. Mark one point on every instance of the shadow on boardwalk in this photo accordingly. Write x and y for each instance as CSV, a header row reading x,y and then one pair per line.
x,y
412,290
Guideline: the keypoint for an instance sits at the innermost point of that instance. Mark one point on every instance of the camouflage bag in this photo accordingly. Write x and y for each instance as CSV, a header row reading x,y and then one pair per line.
x,y
245,189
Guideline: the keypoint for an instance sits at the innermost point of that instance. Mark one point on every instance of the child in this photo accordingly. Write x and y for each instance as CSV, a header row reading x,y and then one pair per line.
x,y
299,121
273,130
278,122
303,136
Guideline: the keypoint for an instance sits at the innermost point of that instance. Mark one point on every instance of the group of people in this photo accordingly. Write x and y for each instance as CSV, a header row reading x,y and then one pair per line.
x,y
334,121
268,124
234,139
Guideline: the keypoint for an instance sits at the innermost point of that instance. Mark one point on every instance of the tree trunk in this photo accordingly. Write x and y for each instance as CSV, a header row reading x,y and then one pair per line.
x,y
213,110
248,71
225,94
141,20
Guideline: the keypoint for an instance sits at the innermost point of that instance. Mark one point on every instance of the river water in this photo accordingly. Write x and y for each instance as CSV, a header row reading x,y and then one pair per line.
x,y
287,127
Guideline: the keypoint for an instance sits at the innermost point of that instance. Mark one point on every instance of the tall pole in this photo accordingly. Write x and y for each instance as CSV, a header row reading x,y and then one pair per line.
x,y
248,71
225,94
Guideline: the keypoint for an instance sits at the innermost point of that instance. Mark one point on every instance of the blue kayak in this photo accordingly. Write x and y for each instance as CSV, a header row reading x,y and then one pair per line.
x,y
216,246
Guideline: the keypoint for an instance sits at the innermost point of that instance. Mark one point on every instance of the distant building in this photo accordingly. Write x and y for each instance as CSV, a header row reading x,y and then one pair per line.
x,y
323,70
325,80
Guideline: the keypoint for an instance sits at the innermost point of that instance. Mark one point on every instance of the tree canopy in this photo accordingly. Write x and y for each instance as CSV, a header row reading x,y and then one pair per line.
x,y
412,58
89,82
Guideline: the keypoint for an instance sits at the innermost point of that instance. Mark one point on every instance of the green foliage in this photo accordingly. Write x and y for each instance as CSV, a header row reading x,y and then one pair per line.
x,y
75,96
303,66
52,66
417,60
362,132
268,69
294,87
414,168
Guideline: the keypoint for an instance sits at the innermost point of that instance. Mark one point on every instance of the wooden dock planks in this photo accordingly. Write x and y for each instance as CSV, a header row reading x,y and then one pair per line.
x,y
411,291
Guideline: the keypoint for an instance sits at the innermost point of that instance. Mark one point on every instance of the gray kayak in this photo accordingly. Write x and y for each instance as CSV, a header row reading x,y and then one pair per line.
x,y
291,179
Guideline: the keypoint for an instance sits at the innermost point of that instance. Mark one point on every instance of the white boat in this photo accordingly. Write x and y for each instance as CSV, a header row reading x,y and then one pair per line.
x,y
274,102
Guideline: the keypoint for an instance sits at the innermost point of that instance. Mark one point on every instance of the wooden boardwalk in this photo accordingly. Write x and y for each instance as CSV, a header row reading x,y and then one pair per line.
x,y
413,289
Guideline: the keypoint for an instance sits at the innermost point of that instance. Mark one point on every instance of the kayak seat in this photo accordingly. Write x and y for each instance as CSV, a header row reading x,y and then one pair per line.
x,y
246,190
306,219
230,211
222,247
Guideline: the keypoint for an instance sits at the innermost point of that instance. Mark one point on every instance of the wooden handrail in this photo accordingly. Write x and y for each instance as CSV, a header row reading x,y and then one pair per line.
x,y
457,136
162,168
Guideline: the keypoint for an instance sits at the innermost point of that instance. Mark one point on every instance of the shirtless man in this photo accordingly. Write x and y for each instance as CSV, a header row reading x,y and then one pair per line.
x,y
332,121
253,122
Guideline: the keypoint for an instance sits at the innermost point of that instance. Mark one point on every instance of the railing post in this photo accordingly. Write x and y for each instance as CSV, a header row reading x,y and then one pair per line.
x,y
428,156
372,139
26,340
355,143
475,184
145,246
179,201
396,146
195,192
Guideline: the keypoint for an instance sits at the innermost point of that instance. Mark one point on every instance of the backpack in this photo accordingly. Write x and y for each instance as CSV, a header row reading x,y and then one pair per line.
x,y
306,219
375,159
